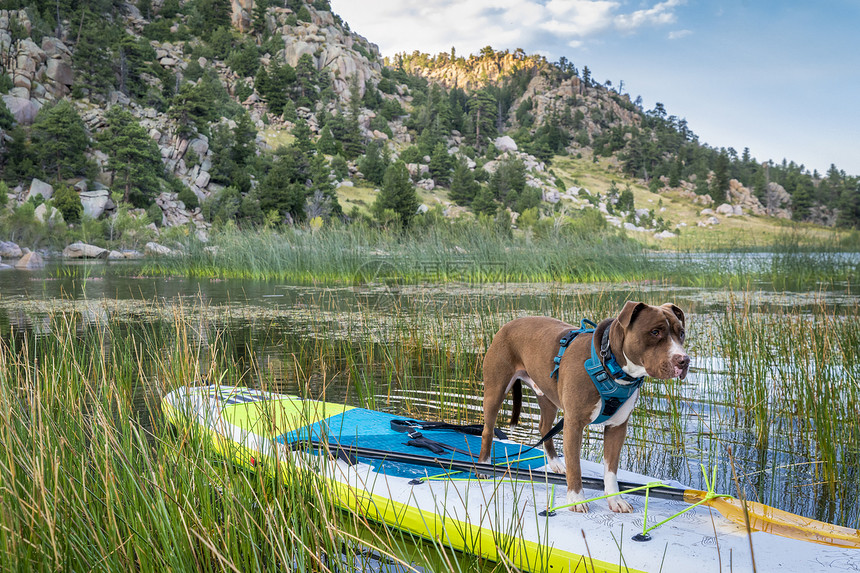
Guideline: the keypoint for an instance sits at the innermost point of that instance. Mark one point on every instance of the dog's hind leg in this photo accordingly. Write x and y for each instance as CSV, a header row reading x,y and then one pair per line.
x,y
498,379
548,411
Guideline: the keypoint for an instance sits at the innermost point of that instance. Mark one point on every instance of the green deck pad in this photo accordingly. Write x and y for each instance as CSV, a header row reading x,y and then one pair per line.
x,y
271,418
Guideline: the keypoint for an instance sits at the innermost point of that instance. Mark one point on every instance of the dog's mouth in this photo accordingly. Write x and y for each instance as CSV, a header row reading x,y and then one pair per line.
x,y
681,372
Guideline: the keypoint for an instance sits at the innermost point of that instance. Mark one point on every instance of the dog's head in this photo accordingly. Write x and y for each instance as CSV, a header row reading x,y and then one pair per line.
x,y
649,340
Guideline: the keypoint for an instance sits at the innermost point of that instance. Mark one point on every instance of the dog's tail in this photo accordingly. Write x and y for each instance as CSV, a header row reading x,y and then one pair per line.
x,y
517,391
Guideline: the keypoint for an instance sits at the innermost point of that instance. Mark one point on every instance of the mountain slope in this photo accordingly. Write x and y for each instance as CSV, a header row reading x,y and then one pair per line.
x,y
258,112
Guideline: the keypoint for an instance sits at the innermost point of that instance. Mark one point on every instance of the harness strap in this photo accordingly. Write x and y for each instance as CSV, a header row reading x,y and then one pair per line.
x,y
552,433
407,426
417,440
567,339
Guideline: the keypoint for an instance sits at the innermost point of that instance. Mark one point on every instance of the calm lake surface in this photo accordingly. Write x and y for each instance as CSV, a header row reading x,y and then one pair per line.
x,y
675,429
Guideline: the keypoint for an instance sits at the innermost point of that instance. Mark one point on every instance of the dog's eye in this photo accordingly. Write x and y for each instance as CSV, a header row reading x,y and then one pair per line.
x,y
656,332
682,335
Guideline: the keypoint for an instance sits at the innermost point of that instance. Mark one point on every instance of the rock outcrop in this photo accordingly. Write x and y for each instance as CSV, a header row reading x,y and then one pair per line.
x,y
241,14
36,72
345,54
84,251
742,197
777,201
30,261
39,188
95,202
476,70
10,250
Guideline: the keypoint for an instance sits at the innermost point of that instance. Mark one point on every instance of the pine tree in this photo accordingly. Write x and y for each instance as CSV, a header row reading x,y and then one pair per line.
x,y
720,183
283,190
307,79
276,85
246,139
801,200
482,112
353,146
233,152
483,203
463,184
289,111
190,108
440,164
760,184
17,158
302,133
675,172
261,81
397,194
92,55
509,181
849,207
7,120
60,140
259,17
133,157
375,163
326,143
625,200
321,184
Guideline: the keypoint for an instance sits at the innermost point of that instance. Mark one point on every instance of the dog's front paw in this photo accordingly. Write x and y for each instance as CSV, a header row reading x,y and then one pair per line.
x,y
578,498
619,505
556,465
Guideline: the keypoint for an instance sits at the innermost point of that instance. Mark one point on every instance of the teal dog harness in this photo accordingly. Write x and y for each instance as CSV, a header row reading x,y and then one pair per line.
x,y
604,373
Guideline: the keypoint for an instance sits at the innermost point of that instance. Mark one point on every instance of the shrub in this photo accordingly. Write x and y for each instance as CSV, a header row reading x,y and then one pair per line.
x,y
5,83
67,202
411,155
187,196
340,167
155,215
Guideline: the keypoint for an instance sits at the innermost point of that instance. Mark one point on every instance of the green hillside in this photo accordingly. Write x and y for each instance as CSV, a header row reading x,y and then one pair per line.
x,y
124,123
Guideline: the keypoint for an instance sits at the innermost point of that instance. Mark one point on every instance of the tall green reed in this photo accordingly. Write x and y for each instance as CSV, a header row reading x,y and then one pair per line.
x,y
93,479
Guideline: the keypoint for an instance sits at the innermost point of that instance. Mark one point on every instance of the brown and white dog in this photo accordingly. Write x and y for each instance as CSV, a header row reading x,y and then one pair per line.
x,y
645,340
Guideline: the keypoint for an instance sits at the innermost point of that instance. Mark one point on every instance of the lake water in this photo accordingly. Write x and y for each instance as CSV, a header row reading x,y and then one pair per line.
x,y
676,427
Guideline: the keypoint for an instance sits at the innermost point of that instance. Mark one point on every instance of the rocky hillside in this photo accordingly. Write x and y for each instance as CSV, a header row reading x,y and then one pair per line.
x,y
42,70
163,114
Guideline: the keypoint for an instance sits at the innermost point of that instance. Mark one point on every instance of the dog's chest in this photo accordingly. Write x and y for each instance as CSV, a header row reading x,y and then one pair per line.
x,y
620,416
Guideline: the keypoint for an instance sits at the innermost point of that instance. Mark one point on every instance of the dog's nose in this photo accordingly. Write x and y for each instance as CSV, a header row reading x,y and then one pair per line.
x,y
681,361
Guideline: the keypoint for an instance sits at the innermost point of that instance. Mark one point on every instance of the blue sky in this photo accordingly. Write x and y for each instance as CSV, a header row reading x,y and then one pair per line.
x,y
782,78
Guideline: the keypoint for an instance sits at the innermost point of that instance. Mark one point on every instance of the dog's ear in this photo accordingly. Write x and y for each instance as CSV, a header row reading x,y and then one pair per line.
x,y
629,312
676,311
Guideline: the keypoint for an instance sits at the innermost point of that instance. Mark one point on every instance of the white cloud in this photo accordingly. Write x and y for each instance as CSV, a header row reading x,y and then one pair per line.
x,y
579,17
660,14
435,25
678,34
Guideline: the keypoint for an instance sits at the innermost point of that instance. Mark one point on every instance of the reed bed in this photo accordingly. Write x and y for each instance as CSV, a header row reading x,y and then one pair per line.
x,y
472,253
93,480
795,377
